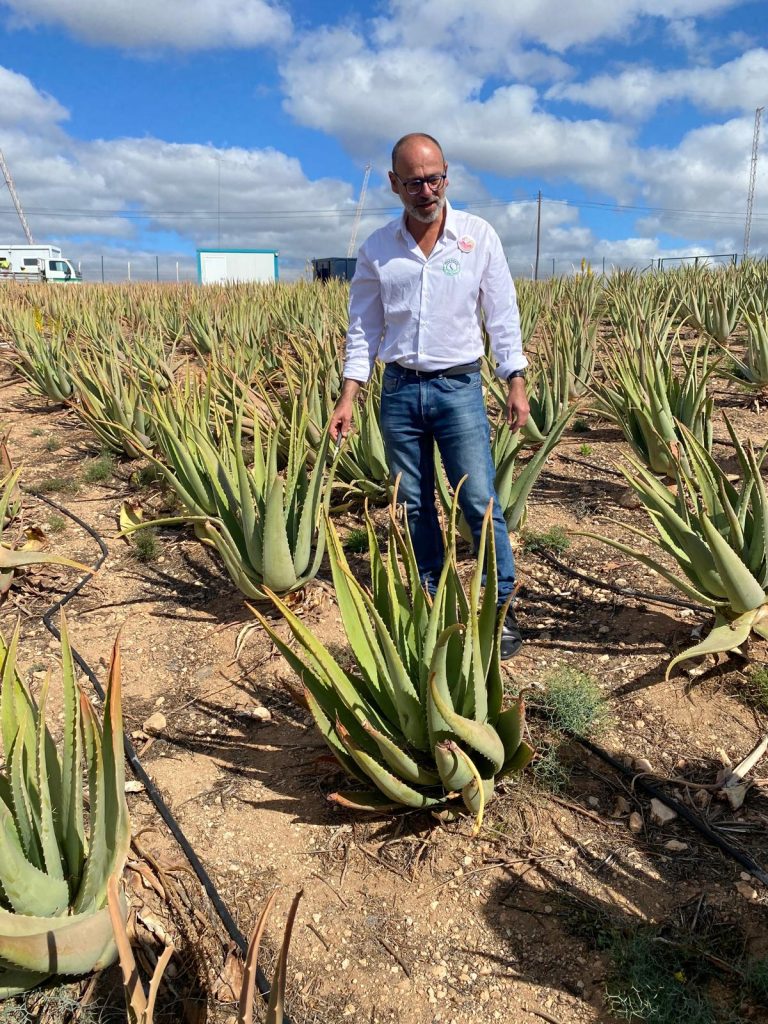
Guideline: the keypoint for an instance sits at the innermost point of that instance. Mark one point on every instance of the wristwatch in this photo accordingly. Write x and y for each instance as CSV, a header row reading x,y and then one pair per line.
x,y
516,373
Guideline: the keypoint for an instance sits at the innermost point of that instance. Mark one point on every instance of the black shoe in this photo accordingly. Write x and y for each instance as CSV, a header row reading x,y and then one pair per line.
x,y
511,639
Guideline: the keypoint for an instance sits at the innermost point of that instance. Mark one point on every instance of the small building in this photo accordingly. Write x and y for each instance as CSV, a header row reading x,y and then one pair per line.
x,y
334,266
235,266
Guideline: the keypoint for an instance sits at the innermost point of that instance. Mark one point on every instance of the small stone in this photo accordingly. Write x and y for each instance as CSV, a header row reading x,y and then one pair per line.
x,y
156,724
593,801
439,971
467,861
660,813
621,807
603,630
745,889
620,582
258,714
316,918
642,764
635,822
675,846
745,876
640,725
134,786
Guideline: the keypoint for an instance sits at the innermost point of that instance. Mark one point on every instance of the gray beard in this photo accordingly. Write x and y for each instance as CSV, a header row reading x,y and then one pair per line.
x,y
426,218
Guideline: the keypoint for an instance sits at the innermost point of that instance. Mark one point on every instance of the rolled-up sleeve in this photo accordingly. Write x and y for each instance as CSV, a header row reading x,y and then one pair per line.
x,y
366,320
498,302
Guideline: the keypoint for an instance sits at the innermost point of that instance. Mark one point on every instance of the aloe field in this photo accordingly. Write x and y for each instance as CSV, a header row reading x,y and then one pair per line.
x,y
576,835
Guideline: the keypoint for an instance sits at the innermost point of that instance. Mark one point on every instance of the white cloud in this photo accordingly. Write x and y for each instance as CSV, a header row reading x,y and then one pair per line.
x,y
637,92
368,98
177,24
700,188
23,104
496,25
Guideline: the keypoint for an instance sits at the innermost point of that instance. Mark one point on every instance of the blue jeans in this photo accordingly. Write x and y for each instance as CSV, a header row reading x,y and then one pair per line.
x,y
416,413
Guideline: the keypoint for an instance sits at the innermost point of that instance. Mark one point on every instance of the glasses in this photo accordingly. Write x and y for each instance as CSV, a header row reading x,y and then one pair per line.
x,y
414,185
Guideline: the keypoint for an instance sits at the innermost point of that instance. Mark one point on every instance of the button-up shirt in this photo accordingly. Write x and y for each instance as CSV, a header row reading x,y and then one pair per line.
x,y
427,312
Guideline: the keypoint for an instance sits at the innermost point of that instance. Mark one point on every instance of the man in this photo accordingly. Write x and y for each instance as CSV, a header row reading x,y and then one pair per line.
x,y
416,299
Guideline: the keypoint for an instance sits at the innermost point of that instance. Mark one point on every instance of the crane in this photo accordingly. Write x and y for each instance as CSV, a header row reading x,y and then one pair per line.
x,y
752,178
15,198
359,212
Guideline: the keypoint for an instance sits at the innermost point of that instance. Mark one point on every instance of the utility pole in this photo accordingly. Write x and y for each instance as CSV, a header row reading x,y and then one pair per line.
x,y
752,179
358,212
538,237
15,198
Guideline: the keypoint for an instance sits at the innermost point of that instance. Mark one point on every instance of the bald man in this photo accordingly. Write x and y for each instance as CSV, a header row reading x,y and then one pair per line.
x,y
425,286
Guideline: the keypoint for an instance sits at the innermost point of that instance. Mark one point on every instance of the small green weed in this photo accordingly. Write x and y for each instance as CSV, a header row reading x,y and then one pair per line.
x,y
57,484
36,432
356,541
755,692
580,427
549,771
146,546
98,470
56,524
756,980
555,539
146,476
52,443
585,449
573,702
656,983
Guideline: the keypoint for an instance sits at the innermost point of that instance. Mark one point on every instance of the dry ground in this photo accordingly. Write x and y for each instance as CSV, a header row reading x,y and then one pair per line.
x,y
403,919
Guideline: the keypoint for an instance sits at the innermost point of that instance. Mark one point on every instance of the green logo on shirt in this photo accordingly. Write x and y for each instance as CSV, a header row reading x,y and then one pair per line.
x,y
451,267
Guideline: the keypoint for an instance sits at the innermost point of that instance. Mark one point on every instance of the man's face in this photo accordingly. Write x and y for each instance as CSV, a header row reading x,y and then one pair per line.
x,y
420,159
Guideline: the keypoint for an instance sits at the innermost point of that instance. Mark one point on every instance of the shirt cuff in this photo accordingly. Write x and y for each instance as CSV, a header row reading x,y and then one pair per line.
x,y
504,369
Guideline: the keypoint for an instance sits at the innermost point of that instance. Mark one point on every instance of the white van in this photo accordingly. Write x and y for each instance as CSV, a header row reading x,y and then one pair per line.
x,y
36,263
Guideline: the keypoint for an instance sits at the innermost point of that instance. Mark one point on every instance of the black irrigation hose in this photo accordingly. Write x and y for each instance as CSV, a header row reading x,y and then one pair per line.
x,y
684,812
136,766
640,595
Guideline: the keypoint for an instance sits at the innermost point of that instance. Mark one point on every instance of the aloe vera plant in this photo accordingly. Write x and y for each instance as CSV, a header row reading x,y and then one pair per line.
x,y
266,526
15,556
418,720
43,361
53,880
716,533
647,398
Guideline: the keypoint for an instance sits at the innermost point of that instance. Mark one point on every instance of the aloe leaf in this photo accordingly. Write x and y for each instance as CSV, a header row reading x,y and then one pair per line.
x,y
57,945
248,990
743,590
364,800
400,761
480,736
389,784
71,771
47,832
29,890
725,636
276,1004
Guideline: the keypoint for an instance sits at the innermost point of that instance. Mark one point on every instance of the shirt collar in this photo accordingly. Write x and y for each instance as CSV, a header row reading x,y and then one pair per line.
x,y
451,227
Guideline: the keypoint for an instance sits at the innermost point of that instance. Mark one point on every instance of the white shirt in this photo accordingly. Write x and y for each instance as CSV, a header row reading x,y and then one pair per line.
x,y
427,312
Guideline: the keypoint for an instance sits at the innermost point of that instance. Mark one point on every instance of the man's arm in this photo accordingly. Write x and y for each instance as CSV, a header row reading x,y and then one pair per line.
x,y
366,326
502,321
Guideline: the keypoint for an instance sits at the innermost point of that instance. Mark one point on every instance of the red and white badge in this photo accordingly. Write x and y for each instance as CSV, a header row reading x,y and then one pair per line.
x,y
466,243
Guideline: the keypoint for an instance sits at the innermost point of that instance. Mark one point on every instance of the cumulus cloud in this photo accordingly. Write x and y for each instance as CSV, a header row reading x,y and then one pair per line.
x,y
23,104
700,188
177,24
637,92
367,98
496,25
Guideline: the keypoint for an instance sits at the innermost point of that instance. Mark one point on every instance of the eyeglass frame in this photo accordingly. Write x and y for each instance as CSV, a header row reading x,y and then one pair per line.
x,y
421,182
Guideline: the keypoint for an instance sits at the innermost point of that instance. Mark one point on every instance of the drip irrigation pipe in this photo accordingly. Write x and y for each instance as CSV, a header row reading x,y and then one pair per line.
x,y
684,812
640,595
136,766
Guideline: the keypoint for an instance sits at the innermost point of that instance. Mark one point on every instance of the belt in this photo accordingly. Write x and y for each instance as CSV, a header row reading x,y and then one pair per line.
x,y
448,371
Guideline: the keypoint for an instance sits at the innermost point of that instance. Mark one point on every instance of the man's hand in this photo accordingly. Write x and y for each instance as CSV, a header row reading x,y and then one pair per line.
x,y
518,408
340,422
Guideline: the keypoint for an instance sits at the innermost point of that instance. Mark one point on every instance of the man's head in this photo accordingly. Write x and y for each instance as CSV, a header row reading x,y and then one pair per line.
x,y
418,176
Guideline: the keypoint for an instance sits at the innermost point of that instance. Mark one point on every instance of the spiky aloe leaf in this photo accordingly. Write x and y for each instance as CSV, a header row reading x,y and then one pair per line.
x,y
726,635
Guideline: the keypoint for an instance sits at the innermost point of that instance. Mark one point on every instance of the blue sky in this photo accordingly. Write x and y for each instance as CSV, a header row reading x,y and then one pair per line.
x,y
146,130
